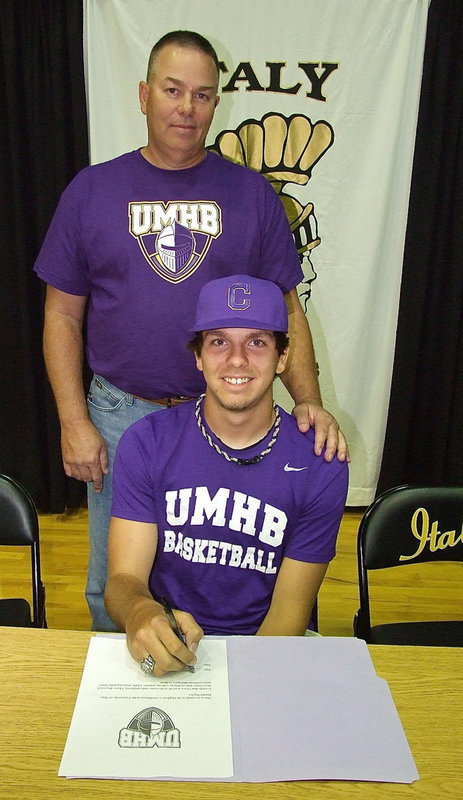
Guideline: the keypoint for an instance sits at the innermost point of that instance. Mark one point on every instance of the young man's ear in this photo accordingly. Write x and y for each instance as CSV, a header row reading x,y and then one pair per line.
x,y
199,363
198,343
282,359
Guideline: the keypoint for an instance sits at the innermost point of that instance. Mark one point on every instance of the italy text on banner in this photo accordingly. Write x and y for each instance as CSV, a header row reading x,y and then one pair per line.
x,y
322,98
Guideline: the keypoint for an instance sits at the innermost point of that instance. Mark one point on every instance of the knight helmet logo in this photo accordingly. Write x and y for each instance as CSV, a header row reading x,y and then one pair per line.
x,y
175,245
174,237
151,727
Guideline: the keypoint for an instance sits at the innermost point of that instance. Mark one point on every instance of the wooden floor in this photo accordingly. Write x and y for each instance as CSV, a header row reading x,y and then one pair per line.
x,y
426,591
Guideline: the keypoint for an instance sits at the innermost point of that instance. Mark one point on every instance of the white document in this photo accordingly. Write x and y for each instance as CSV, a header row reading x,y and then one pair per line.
x,y
130,725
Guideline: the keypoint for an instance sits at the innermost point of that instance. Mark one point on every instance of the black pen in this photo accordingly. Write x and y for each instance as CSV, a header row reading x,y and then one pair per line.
x,y
173,624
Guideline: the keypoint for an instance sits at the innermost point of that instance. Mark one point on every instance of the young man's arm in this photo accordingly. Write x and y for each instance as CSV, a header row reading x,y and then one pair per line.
x,y
301,380
128,600
293,598
83,448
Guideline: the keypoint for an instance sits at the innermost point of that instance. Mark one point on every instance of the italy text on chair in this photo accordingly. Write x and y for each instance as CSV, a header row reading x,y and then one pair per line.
x,y
19,526
410,525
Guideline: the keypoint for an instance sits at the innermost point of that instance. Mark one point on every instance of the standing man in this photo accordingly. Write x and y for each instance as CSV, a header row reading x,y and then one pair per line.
x,y
221,504
131,243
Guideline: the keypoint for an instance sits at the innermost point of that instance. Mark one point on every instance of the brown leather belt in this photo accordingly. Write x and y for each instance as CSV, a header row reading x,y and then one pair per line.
x,y
165,401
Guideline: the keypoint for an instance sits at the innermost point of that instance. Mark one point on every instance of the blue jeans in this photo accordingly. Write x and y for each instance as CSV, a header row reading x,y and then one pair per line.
x,y
111,411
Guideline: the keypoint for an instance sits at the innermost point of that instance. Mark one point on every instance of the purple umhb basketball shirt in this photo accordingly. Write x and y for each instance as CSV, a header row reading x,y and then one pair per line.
x,y
225,528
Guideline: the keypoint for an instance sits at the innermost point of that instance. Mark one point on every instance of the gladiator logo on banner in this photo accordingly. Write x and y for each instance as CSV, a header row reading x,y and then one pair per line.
x,y
175,237
284,150
150,728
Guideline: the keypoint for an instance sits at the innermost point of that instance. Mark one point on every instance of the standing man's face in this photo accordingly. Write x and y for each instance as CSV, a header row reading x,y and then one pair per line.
x,y
179,103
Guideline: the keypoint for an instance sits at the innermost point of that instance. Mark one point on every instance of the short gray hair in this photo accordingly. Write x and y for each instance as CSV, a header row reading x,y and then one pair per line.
x,y
184,39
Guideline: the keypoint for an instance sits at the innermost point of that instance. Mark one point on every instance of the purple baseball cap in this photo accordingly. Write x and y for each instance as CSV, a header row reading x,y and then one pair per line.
x,y
240,301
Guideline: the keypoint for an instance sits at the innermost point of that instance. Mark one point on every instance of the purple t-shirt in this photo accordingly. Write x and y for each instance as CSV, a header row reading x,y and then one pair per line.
x,y
141,241
224,528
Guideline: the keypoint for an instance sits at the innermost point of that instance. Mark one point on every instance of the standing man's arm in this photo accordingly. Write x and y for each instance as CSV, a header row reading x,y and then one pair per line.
x,y
293,598
83,448
301,380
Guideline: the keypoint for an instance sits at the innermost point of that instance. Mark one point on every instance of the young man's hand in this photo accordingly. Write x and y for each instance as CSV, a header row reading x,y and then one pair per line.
x,y
149,633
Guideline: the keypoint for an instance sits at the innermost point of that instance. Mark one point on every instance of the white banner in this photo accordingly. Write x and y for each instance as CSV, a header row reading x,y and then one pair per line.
x,y
322,97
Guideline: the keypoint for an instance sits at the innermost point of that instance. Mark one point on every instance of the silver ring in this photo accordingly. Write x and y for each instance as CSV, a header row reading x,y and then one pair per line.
x,y
148,664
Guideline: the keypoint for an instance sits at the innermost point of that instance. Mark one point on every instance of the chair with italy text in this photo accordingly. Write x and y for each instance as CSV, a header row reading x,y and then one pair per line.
x,y
409,525
19,527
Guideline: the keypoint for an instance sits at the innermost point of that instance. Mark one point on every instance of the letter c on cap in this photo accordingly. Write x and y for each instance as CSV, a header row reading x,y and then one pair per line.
x,y
237,299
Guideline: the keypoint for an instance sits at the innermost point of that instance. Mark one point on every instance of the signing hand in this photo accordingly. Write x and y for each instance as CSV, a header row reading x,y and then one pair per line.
x,y
149,633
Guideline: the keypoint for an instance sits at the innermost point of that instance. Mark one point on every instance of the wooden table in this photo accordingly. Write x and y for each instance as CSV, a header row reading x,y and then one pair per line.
x,y
40,673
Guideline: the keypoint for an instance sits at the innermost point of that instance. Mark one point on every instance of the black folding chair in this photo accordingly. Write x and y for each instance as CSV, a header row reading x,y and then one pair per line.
x,y
19,526
409,525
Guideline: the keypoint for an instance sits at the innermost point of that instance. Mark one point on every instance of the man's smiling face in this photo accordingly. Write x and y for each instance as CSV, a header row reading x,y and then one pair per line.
x,y
239,365
179,103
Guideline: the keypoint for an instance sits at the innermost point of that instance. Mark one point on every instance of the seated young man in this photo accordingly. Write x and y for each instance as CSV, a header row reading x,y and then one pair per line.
x,y
220,504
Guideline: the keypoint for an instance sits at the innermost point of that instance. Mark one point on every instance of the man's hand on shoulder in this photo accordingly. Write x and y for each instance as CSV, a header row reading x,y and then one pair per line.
x,y
327,432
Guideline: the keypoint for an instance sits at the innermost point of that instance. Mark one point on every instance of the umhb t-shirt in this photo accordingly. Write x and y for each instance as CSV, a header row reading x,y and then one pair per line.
x,y
225,528
141,242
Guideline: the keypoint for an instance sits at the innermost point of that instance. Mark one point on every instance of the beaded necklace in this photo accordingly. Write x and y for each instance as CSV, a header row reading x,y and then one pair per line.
x,y
243,462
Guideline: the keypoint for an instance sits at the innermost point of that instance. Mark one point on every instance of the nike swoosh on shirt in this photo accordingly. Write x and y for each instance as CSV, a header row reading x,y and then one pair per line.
x,y
287,468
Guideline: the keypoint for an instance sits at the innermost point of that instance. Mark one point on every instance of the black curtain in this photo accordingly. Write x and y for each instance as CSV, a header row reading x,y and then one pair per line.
x,y
43,144
424,435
